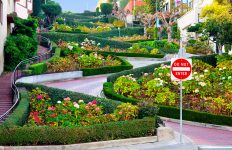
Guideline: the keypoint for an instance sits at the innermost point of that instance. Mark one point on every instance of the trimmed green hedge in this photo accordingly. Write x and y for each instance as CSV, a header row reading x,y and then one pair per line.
x,y
172,112
55,36
123,32
13,134
210,59
39,68
20,114
108,69
59,94
129,54
61,136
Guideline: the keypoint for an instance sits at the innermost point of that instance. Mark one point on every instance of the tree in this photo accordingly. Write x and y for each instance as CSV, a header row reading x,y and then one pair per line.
x,y
51,10
218,24
36,7
106,8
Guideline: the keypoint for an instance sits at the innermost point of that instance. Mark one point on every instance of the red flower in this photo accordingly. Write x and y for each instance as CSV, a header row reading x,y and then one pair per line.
x,y
39,97
94,102
53,115
52,108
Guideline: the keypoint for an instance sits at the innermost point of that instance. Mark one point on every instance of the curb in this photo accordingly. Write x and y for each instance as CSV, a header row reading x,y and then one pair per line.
x,y
88,146
206,125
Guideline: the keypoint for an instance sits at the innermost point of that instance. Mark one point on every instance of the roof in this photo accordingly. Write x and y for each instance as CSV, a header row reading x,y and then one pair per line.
x,y
130,5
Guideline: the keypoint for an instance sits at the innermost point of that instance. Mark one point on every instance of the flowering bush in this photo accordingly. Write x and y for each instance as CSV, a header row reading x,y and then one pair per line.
x,y
137,49
130,38
68,113
210,89
94,30
127,86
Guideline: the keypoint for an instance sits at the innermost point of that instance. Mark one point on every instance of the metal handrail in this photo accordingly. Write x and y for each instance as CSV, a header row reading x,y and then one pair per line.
x,y
14,78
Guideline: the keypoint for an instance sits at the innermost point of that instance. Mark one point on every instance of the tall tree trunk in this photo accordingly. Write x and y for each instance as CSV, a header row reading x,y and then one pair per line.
x,y
169,31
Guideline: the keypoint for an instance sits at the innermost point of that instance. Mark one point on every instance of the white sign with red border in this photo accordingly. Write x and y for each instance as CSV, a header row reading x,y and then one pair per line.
x,y
181,69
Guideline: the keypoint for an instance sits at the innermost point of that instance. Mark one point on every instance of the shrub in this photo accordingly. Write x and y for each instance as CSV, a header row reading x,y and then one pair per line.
x,y
119,24
59,64
17,48
199,48
154,51
137,49
39,68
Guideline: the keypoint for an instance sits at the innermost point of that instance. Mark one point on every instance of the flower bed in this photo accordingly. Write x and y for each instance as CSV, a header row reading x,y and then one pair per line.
x,y
71,129
209,91
131,38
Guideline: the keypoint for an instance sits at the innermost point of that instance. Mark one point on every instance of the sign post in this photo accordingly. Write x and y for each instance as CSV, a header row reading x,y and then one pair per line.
x,y
181,69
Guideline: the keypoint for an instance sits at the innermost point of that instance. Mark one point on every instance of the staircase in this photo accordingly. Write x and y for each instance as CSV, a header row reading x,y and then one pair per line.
x,y
5,93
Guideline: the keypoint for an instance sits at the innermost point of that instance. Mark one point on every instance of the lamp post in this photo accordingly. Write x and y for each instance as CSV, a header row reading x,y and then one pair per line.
x,y
64,21
119,32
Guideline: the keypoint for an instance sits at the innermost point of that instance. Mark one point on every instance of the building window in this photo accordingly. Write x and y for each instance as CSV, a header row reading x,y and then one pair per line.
x,y
1,11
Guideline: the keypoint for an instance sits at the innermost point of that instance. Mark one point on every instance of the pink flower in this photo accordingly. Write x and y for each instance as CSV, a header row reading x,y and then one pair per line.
x,y
43,105
98,109
81,101
67,99
94,102
39,97
52,108
53,115
87,107
76,105
120,113
90,103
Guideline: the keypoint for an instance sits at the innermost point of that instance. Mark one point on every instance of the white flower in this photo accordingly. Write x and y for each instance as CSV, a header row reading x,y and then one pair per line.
x,y
201,76
168,74
230,52
224,68
220,69
58,102
76,105
229,77
81,101
206,70
202,84
70,47
197,91
183,87
160,74
223,78
145,74
98,44
195,73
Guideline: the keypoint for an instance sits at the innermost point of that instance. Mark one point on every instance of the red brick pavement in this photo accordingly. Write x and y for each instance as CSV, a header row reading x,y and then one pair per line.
x,y
5,93
203,135
41,50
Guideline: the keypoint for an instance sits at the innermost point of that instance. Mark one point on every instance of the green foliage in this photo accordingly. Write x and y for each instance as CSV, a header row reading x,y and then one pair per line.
x,y
127,86
162,45
25,26
36,7
106,8
175,32
65,135
136,48
224,57
20,114
51,10
17,48
154,51
108,69
196,28
123,32
39,68
199,47
119,24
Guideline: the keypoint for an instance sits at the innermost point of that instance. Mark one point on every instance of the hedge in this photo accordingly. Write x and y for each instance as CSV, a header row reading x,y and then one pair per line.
x,y
39,68
210,59
54,36
123,32
12,132
128,54
172,112
20,114
108,69
65,135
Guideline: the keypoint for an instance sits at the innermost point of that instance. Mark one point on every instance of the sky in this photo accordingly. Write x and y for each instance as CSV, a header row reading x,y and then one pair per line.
x,y
77,5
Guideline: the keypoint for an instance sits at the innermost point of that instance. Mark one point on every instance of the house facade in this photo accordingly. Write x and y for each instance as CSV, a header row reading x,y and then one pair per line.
x,y
8,8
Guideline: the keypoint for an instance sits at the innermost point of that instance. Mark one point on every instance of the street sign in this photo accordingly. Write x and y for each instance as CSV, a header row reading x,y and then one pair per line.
x,y
181,69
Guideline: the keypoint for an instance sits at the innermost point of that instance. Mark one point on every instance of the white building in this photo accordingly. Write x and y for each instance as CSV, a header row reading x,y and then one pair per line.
x,y
21,8
192,17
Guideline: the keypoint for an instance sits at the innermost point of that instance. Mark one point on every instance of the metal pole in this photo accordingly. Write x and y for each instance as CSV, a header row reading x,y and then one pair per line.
x,y
181,121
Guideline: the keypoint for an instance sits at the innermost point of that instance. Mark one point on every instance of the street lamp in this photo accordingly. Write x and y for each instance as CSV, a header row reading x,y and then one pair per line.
x,y
64,21
119,32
